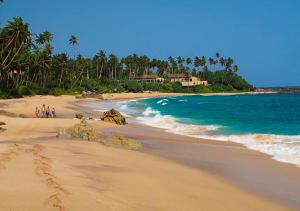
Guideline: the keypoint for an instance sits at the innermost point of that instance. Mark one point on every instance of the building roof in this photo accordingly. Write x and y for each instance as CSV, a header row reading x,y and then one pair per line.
x,y
177,75
147,76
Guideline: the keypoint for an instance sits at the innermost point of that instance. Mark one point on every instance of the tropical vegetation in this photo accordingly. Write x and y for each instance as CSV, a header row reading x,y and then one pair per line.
x,y
28,66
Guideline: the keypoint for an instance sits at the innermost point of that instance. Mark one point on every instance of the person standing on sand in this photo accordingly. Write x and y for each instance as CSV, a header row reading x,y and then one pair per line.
x,y
53,113
43,110
48,112
37,112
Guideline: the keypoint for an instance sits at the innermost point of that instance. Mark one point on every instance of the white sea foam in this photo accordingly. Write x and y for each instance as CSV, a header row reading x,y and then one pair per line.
x,y
182,100
123,107
281,147
154,118
162,101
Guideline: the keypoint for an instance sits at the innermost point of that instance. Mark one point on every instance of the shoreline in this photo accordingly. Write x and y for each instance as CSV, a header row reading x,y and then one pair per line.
x,y
106,170
131,95
253,141
181,140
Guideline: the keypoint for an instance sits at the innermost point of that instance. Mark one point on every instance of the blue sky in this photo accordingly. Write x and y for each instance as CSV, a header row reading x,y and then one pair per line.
x,y
263,36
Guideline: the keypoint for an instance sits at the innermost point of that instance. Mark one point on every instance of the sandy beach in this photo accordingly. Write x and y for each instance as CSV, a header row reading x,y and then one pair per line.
x,y
41,172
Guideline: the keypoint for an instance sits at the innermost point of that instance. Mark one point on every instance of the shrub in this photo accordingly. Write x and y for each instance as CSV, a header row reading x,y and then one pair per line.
x,y
25,91
57,91
102,89
152,86
167,86
116,87
133,86
89,84
4,95
178,88
202,89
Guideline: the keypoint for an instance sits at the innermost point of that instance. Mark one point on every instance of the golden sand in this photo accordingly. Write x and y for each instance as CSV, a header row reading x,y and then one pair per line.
x,y
40,172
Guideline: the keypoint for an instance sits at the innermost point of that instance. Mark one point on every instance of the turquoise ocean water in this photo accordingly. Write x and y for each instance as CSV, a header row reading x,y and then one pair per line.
x,y
268,123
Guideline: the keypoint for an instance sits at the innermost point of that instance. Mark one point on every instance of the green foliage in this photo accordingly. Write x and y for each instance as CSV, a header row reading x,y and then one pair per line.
x,y
226,80
103,89
152,86
133,86
202,89
28,67
221,88
25,91
57,91
167,86
116,87
4,95
89,84
176,87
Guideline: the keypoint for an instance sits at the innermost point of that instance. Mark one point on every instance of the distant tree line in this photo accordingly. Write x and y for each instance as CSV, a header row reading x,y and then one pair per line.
x,y
28,66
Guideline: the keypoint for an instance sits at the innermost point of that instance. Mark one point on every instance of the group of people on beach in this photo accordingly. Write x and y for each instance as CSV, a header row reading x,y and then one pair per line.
x,y
44,112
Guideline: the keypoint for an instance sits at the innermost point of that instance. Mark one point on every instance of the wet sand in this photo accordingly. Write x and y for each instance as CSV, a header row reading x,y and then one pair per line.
x,y
249,169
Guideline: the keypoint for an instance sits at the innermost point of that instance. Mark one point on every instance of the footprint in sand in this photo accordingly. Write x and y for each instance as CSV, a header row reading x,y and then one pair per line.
x,y
44,170
9,154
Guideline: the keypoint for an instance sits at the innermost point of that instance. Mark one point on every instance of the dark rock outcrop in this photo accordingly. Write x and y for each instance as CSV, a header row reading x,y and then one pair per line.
x,y
78,116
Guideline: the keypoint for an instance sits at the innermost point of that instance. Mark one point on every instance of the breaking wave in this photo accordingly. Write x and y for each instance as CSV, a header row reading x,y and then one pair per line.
x,y
282,148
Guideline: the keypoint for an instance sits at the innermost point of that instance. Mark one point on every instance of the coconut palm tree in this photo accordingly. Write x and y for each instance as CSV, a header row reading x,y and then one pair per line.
x,y
14,37
44,37
63,59
235,68
197,62
101,59
211,62
188,61
73,41
203,62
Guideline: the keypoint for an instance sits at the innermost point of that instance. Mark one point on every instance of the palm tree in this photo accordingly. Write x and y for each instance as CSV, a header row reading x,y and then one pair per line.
x,y
44,37
180,63
188,61
211,62
73,41
222,62
203,62
101,59
15,37
235,68
63,59
197,62
48,49
172,64
113,60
